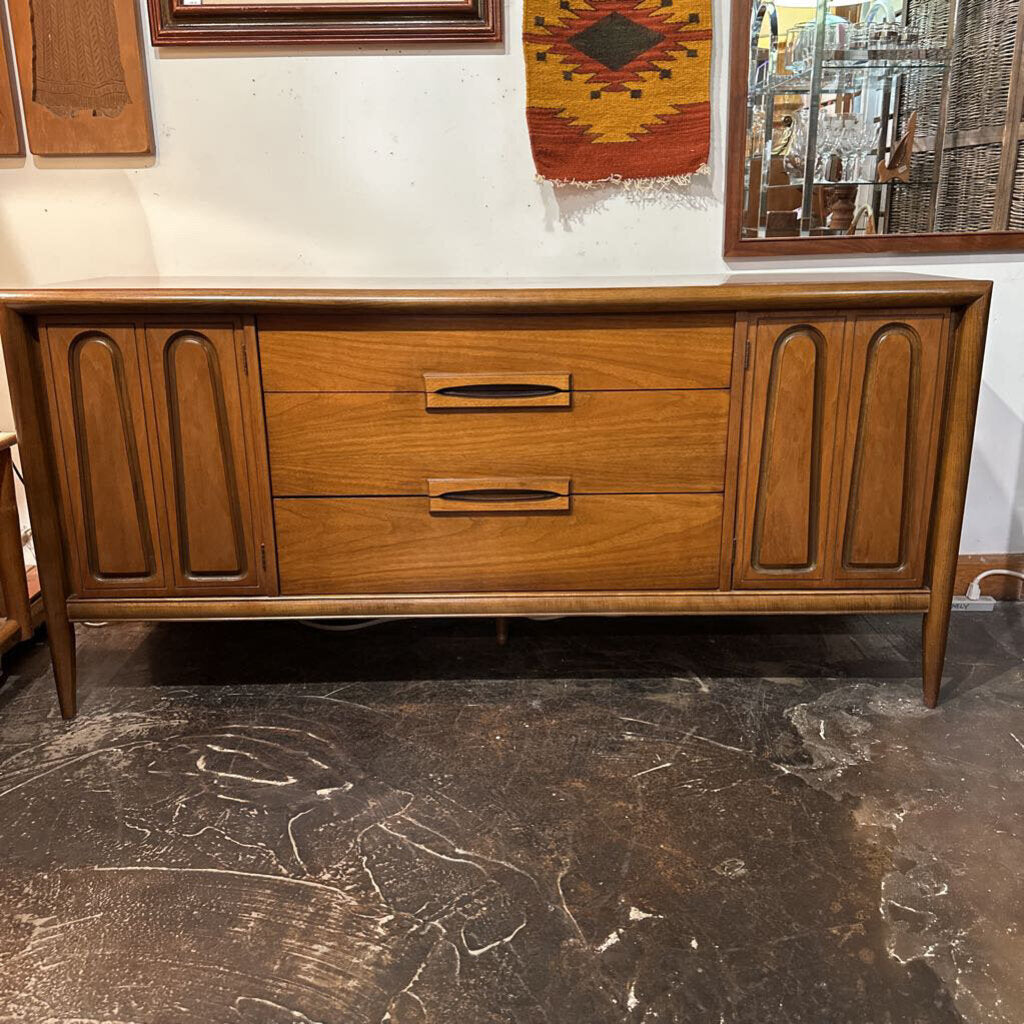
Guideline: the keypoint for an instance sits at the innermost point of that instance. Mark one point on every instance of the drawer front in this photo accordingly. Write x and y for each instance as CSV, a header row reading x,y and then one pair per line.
x,y
397,545
393,354
379,444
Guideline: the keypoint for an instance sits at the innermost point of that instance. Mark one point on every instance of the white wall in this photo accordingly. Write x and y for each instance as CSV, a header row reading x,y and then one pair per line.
x,y
374,163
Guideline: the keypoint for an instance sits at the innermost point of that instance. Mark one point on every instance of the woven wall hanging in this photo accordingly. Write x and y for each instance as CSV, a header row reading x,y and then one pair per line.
x,y
618,89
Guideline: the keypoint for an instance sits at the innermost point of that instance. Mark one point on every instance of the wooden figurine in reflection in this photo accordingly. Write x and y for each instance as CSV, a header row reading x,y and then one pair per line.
x,y
897,167
783,141
841,201
863,214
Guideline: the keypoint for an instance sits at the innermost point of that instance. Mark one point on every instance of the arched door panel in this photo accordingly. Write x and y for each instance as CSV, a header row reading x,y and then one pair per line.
x,y
786,468
886,478
197,377
103,459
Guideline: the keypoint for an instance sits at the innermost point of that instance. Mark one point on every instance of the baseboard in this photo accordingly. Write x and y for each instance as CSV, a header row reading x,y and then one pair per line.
x,y
1002,588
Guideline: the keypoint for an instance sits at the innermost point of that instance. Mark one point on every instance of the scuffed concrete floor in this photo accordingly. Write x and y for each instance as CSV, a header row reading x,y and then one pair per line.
x,y
637,821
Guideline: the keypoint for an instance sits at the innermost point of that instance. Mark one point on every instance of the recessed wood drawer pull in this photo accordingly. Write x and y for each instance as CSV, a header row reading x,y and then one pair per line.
x,y
497,390
483,494
499,494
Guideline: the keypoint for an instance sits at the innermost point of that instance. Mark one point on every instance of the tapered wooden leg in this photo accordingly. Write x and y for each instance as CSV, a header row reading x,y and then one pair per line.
x,y
951,489
934,633
65,668
502,626
35,445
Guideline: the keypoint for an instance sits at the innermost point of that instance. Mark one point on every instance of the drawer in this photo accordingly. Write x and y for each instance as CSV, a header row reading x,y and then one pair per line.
x,y
393,354
355,444
397,545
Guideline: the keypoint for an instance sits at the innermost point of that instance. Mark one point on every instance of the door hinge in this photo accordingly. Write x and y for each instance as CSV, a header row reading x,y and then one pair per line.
x,y
245,359
746,355
263,556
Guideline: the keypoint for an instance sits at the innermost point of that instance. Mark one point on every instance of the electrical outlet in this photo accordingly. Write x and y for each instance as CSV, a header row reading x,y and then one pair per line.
x,y
978,604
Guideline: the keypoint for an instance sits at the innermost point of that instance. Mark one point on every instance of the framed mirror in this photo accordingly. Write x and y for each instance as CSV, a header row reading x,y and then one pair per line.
x,y
322,22
875,126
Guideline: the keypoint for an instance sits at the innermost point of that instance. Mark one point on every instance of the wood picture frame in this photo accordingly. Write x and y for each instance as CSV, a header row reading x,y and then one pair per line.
x,y
323,22
737,247
12,142
78,100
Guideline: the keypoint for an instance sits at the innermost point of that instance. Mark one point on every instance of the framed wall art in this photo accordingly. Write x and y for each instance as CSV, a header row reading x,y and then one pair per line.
x,y
83,79
322,22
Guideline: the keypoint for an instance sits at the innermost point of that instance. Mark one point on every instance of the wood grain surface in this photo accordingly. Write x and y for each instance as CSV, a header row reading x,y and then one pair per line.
x,y
324,444
599,352
786,464
11,140
83,77
892,401
374,545
202,420
592,602
109,480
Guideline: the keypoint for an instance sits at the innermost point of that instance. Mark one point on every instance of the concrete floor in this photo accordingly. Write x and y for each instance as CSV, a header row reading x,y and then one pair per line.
x,y
695,821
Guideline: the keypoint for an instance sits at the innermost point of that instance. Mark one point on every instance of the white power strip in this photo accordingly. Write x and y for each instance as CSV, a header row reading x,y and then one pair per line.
x,y
973,604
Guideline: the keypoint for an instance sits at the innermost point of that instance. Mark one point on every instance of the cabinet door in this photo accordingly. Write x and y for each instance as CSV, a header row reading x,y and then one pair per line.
x,y
202,412
894,399
792,390
103,453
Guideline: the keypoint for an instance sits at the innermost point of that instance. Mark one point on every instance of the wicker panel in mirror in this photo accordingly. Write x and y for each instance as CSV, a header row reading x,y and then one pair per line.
x,y
875,126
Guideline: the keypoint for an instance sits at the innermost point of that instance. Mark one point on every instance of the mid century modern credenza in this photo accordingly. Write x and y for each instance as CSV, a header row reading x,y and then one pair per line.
x,y
748,445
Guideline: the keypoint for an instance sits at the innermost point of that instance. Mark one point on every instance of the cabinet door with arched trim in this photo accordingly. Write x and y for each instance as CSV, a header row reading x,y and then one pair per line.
x,y
896,369
108,482
790,402
205,427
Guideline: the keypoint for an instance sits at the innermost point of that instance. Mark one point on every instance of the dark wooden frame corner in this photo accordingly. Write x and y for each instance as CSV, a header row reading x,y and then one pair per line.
x,y
736,247
325,22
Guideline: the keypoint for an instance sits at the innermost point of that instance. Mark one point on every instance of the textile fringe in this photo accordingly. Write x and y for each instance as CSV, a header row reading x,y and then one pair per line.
x,y
637,186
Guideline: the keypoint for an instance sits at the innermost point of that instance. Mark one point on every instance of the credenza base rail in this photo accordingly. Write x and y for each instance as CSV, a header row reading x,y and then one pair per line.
x,y
765,602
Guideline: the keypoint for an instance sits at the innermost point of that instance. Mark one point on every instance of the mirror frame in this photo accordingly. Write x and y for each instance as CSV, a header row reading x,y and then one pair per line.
x,y
324,23
738,247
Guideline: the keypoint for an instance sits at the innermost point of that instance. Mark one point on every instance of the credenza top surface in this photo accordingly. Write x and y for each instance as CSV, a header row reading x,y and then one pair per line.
x,y
736,292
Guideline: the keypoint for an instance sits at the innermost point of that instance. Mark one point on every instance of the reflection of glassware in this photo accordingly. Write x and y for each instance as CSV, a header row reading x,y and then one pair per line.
x,y
853,140
867,147
847,146
802,38
829,131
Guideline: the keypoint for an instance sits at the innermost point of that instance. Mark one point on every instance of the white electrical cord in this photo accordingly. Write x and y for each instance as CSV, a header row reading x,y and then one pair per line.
x,y
974,587
350,627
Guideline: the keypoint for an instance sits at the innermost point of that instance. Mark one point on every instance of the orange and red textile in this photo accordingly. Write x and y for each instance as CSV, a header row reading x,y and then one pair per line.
x,y
618,88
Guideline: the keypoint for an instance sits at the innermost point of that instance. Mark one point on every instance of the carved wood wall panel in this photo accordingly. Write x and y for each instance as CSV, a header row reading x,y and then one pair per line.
x,y
201,425
11,142
885,481
107,474
83,78
787,460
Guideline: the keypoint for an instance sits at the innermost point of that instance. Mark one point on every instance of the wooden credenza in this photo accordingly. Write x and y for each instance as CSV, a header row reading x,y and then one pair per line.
x,y
755,445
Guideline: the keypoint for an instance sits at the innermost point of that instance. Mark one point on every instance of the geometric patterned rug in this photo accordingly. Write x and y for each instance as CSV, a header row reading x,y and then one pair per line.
x,y
618,89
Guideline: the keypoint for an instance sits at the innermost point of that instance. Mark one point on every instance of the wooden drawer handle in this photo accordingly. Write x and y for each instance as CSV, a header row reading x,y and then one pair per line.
x,y
497,390
499,494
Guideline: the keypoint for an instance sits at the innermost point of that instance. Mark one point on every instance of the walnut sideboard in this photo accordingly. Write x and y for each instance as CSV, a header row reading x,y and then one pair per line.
x,y
746,445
